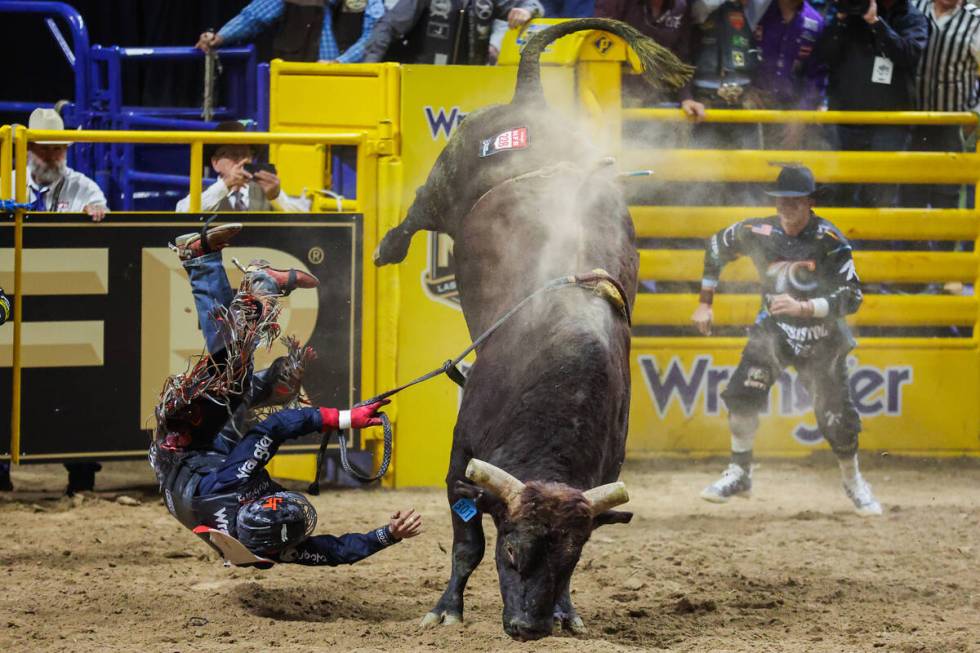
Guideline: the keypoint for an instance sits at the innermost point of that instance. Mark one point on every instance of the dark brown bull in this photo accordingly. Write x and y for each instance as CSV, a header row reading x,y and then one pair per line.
x,y
541,432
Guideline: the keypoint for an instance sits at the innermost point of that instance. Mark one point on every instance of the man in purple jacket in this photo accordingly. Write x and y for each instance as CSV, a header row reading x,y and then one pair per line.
x,y
788,77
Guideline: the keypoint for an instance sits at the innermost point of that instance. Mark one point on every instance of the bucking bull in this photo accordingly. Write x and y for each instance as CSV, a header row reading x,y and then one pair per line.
x,y
546,405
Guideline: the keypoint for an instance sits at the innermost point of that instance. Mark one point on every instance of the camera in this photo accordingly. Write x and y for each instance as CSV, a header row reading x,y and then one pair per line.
x,y
853,7
252,168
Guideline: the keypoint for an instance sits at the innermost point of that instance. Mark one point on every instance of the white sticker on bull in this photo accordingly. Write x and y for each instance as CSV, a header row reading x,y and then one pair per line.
x,y
512,139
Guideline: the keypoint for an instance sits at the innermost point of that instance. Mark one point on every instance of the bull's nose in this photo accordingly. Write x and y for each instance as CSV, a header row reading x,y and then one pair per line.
x,y
523,631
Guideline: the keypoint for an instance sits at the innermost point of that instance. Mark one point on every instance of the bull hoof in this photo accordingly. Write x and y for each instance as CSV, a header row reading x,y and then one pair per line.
x,y
436,618
572,624
393,248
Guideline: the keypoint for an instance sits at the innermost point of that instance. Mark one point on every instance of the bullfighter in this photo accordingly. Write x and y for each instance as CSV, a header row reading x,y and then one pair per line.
x,y
809,286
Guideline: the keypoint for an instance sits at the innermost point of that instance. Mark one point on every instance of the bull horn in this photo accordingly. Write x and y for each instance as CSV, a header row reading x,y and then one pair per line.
x,y
606,497
491,477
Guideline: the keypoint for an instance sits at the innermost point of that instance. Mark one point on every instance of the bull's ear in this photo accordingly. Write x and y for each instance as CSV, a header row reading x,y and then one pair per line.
x,y
485,500
611,517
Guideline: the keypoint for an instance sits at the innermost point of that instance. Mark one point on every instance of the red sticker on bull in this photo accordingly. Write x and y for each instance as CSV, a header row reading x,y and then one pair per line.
x,y
512,139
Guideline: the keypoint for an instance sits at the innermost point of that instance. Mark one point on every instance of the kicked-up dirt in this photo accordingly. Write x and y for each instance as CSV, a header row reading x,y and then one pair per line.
x,y
791,569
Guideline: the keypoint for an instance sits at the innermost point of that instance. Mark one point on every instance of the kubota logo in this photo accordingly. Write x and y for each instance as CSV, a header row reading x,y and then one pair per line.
x,y
697,388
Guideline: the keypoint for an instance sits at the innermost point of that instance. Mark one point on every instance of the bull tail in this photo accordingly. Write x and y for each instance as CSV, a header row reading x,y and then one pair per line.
x,y
661,69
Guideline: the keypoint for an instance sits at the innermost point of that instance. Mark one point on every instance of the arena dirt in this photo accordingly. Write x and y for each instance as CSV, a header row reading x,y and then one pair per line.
x,y
789,570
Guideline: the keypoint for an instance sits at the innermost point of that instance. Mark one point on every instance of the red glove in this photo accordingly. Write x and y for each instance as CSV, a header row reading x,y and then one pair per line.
x,y
355,418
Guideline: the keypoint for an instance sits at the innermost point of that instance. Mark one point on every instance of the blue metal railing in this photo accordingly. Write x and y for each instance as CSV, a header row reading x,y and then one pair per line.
x,y
127,172
77,56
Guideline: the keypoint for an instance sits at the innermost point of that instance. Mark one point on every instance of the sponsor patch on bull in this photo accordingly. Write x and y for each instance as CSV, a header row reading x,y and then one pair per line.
x,y
439,276
695,388
512,139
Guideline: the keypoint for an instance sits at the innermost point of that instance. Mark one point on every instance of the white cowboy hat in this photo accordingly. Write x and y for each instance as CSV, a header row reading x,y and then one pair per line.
x,y
47,119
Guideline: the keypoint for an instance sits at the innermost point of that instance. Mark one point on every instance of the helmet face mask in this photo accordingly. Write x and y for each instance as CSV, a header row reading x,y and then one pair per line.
x,y
275,522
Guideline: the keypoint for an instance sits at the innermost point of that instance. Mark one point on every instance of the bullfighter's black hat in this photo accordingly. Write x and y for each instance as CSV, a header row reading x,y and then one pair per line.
x,y
794,181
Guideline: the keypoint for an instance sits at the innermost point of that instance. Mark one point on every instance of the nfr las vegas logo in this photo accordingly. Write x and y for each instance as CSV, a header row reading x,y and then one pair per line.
x,y
696,388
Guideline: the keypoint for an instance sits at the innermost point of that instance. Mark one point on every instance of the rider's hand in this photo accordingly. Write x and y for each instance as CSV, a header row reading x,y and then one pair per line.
x,y
405,524
702,318
355,418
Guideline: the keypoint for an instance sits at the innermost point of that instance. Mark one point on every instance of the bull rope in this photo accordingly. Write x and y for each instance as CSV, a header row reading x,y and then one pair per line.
x,y
602,283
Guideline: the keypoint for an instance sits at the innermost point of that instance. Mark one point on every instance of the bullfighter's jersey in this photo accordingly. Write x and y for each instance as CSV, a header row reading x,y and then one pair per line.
x,y
207,488
814,265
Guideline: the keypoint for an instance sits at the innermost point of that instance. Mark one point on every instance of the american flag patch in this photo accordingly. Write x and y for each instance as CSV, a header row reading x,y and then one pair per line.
x,y
763,229
512,139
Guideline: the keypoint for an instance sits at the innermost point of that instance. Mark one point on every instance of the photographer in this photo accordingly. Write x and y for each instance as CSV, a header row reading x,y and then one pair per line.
x,y
242,185
872,51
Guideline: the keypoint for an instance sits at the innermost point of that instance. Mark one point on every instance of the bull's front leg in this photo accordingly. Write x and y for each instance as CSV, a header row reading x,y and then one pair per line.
x,y
469,544
566,618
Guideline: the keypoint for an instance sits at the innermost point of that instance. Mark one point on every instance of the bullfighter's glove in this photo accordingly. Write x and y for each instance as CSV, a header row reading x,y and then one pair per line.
x,y
356,418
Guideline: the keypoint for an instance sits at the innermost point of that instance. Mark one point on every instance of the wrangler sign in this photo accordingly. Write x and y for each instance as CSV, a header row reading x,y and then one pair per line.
x,y
677,404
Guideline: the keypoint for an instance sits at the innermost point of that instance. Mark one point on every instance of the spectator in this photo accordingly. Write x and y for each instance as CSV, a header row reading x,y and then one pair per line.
x,y
444,31
725,60
237,189
309,30
788,76
668,22
872,58
946,80
51,184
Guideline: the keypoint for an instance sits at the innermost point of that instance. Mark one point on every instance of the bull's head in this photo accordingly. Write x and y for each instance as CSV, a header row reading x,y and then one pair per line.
x,y
541,529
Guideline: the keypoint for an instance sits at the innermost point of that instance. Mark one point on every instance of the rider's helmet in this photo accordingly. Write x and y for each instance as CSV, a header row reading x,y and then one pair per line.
x,y
275,522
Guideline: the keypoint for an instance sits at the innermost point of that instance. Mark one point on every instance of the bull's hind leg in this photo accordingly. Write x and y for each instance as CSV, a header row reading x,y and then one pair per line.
x,y
394,246
566,618
468,547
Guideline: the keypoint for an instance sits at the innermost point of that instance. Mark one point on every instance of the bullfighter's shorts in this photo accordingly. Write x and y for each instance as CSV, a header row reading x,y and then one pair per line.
x,y
822,369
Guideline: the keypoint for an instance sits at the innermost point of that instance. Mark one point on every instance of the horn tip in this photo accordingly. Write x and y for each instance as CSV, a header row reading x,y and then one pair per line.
x,y
472,468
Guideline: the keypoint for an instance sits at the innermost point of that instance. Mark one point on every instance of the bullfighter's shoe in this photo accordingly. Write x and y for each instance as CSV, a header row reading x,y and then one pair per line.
x,y
735,481
192,245
859,492
286,281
